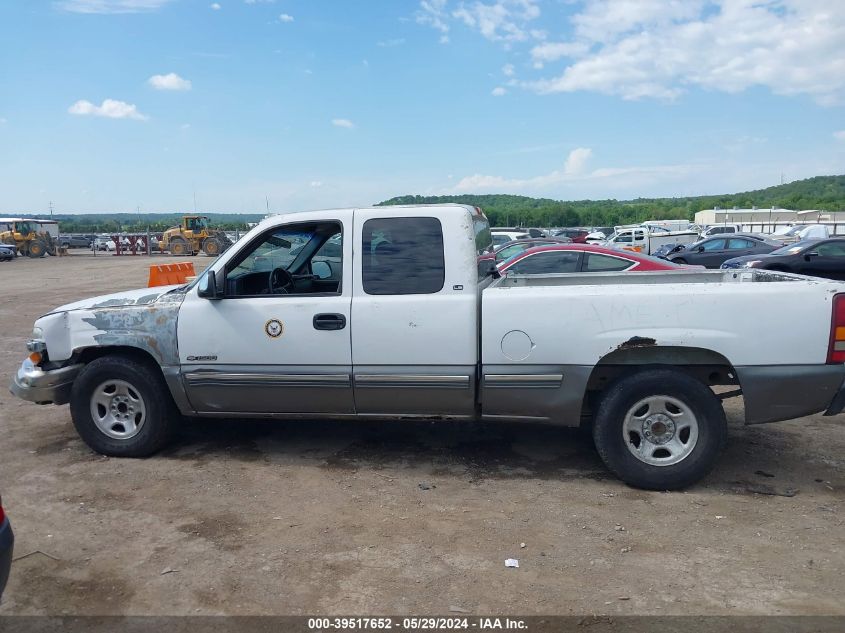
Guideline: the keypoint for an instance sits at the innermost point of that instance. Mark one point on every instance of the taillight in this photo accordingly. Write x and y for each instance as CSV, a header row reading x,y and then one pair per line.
x,y
2,514
836,349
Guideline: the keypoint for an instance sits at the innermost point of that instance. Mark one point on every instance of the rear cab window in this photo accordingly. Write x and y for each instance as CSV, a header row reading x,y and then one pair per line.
x,y
403,256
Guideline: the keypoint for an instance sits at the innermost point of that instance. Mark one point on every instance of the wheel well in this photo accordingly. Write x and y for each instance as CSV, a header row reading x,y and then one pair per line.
x,y
708,367
89,354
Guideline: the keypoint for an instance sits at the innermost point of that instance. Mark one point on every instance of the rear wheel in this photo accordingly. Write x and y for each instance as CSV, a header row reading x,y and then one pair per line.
x,y
659,429
178,246
121,407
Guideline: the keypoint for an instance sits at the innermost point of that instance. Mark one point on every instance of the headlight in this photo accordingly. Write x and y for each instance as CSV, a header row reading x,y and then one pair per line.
x,y
37,332
752,263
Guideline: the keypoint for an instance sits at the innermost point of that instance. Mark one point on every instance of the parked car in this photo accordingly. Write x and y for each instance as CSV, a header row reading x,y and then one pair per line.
x,y
7,545
712,252
721,229
503,236
578,236
534,232
509,249
74,241
581,258
7,253
801,232
817,258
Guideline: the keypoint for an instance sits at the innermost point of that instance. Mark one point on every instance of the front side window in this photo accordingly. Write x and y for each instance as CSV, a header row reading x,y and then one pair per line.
x,y
831,249
294,259
548,262
714,245
402,256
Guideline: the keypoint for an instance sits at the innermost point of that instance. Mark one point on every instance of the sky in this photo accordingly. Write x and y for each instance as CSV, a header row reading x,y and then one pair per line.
x,y
241,105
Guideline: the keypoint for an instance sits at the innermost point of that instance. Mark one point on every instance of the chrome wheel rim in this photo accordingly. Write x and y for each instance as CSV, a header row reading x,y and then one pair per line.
x,y
660,430
118,409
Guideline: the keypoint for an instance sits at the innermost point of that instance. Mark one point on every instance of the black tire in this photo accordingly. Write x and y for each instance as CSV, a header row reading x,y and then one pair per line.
x,y
212,247
179,247
161,415
613,447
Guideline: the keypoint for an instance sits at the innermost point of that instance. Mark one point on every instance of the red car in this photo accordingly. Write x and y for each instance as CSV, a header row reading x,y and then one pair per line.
x,y
583,258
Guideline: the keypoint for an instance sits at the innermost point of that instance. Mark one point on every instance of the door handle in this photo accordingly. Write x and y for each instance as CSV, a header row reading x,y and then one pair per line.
x,y
329,321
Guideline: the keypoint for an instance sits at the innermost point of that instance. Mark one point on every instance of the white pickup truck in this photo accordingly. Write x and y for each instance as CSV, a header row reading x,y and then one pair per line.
x,y
395,312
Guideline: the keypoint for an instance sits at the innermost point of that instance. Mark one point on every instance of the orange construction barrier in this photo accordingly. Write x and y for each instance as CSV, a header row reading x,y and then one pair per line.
x,y
169,274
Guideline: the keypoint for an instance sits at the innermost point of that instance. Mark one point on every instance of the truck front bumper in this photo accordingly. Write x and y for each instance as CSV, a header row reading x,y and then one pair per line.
x,y
43,387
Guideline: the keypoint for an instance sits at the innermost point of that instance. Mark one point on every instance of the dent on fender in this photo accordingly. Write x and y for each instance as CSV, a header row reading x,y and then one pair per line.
x,y
148,323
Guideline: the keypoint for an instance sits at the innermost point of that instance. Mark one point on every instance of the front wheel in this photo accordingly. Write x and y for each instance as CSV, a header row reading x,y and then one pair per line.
x,y
211,247
121,407
659,429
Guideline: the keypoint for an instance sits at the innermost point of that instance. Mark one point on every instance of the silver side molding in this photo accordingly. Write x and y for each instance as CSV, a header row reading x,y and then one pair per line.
x,y
217,379
406,381
523,381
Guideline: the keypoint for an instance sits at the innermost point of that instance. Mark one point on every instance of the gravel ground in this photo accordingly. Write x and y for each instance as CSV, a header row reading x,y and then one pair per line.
x,y
246,517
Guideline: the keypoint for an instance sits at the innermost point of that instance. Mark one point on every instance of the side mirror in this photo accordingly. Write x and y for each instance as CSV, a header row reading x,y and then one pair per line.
x,y
811,254
208,287
700,249
321,269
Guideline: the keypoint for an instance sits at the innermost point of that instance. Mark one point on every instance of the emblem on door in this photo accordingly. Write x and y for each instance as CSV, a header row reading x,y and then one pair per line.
x,y
274,328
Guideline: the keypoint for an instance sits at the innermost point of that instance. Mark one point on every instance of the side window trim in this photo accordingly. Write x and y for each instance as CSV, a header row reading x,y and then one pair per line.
x,y
260,239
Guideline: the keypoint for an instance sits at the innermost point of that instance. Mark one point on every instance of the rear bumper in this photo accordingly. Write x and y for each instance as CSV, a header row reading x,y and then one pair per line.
x,y
838,403
43,387
7,543
784,392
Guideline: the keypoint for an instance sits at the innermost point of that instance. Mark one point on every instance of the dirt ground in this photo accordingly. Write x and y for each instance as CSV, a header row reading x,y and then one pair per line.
x,y
397,518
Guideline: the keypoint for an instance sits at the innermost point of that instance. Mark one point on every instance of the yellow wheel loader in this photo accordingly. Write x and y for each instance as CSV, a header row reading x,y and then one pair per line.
x,y
25,237
193,236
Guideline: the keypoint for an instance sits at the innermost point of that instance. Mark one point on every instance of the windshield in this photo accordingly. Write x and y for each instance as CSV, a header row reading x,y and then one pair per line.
x,y
792,249
25,227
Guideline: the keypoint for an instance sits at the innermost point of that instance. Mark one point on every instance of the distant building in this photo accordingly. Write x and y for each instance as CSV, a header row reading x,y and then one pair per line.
x,y
775,214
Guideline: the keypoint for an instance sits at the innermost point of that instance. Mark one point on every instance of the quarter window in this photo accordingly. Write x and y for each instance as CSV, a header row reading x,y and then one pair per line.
x,y
831,249
595,263
402,256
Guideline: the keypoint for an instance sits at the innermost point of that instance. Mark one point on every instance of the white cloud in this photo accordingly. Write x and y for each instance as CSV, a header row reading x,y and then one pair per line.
x,y
502,20
170,81
3,120
498,91
343,123
110,108
433,13
215,6
574,173
185,126
553,51
508,70
284,17
111,6
315,184
839,136
658,49
391,43
577,160
260,1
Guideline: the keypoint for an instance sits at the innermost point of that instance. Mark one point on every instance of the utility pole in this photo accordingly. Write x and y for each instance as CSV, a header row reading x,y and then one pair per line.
x,y
51,209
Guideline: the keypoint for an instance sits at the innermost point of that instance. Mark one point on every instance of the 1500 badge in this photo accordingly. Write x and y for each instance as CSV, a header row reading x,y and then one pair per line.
x,y
201,358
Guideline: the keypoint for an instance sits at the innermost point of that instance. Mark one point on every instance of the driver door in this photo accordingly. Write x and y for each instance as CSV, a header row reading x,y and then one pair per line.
x,y
284,352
